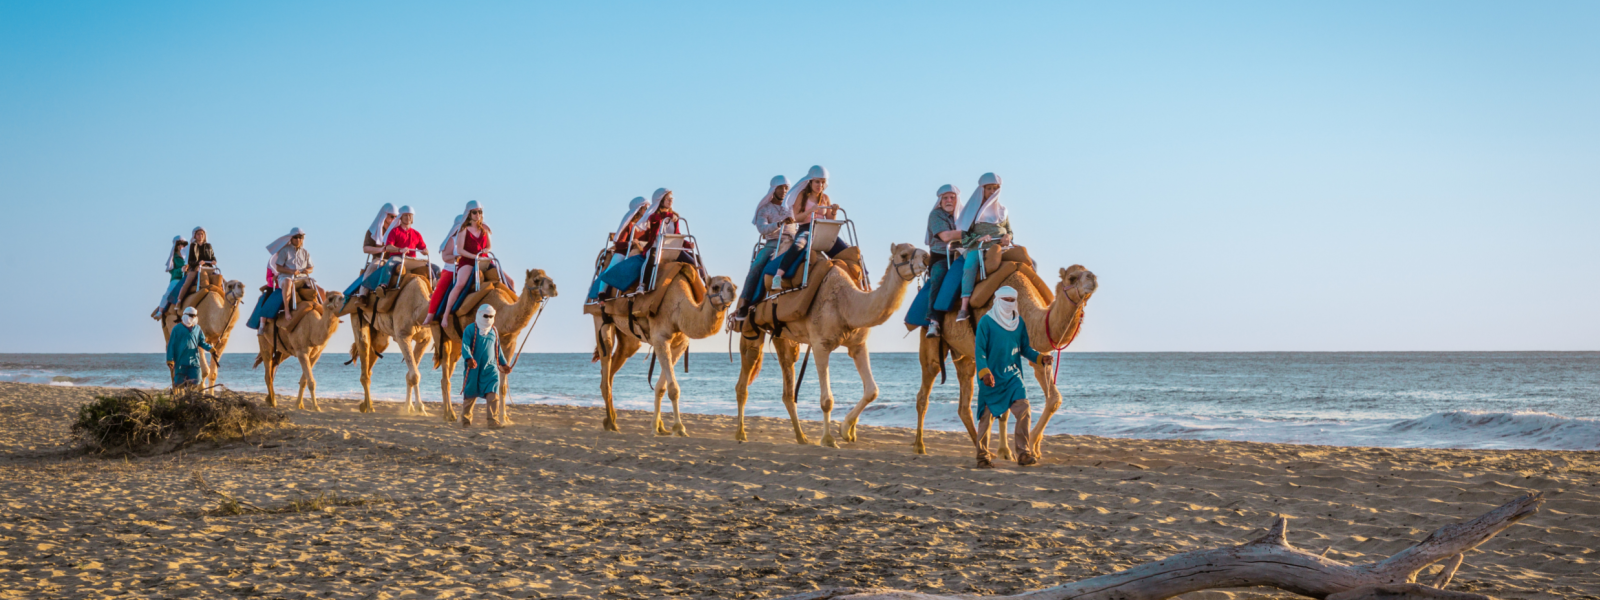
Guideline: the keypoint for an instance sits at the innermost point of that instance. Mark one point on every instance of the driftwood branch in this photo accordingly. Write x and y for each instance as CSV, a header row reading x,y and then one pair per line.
x,y
1270,561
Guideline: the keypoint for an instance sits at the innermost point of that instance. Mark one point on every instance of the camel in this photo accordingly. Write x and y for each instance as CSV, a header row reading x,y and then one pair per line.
x,y
401,323
217,315
841,315
512,313
678,320
306,341
1046,320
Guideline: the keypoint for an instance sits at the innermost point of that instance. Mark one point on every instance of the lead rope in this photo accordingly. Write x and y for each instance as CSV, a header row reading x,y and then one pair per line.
x,y
1051,336
525,335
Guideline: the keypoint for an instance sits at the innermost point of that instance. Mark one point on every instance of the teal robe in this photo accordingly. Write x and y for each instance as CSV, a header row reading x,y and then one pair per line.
x,y
183,346
480,347
1000,353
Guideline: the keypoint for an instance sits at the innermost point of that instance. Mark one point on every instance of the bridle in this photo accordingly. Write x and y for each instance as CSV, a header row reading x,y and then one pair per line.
x,y
907,262
1050,336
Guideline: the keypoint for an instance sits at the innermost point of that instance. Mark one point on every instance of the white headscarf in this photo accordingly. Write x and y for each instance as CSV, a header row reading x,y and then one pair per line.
x,y
776,181
816,172
655,204
978,211
376,229
190,317
279,243
485,319
404,210
450,238
1004,312
172,251
634,206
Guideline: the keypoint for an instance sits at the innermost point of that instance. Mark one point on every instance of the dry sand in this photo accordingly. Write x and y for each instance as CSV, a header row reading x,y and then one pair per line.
x,y
553,507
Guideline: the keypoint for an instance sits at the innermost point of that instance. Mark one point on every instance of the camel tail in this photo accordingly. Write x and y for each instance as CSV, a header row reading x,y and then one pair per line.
x,y
942,350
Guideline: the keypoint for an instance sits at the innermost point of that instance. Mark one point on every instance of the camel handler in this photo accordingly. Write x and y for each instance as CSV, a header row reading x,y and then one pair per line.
x,y
479,342
183,349
1001,343
290,262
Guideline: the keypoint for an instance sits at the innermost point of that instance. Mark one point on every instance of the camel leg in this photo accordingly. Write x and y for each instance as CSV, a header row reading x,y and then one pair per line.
x,y
966,374
678,349
928,354
821,356
661,350
1052,403
300,396
500,399
869,389
1003,439
363,349
447,363
788,353
270,365
310,365
411,350
749,362
625,348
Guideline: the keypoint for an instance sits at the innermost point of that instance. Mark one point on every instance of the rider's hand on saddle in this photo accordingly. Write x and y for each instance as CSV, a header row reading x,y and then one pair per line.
x,y
1006,241
988,379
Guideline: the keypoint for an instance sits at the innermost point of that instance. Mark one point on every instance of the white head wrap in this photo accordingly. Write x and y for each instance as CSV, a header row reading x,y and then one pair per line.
x,y
404,210
635,205
1004,312
776,181
978,211
279,243
376,229
655,204
172,251
948,189
799,187
485,319
450,238
190,316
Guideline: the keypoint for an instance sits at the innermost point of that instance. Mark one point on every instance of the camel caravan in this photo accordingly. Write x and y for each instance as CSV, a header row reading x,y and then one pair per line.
x,y
976,297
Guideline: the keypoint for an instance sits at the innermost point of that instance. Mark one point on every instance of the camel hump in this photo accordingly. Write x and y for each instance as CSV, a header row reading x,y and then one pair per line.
x,y
795,304
1000,267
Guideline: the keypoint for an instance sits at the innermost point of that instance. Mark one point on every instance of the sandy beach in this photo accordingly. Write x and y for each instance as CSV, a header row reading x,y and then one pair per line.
x,y
387,505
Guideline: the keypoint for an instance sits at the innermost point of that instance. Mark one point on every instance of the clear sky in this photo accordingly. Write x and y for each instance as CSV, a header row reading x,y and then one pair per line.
x,y
1240,176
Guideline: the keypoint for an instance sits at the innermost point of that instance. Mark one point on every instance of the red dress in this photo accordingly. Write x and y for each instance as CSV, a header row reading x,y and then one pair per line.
x,y
473,244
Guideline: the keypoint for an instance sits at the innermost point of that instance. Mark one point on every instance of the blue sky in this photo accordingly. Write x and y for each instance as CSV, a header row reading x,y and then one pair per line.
x,y
1241,176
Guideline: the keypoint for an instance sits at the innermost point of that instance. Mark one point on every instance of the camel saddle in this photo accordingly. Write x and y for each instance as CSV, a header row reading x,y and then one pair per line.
x,y
998,267
468,310
385,297
632,305
206,282
793,305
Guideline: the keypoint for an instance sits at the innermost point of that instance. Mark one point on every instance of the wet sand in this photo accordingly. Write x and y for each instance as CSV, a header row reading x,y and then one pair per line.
x,y
554,507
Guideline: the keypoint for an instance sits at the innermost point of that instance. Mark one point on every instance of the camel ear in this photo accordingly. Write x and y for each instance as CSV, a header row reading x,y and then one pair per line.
x,y
1063,273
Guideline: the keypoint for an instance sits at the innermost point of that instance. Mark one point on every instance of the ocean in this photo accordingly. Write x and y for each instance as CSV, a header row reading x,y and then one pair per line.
x,y
1491,400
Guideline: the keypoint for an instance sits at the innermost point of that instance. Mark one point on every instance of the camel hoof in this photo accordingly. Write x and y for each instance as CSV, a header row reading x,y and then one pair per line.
x,y
610,425
681,431
827,440
802,440
850,432
662,429
366,407
919,448
740,437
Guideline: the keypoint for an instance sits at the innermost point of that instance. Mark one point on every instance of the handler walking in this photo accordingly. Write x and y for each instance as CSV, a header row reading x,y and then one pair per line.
x,y
1001,344
183,349
485,363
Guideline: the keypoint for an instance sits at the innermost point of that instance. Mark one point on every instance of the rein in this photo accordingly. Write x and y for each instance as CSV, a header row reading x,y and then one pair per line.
x,y
1051,337
526,335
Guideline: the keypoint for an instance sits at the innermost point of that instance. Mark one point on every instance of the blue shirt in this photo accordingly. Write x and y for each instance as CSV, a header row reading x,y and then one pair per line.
x,y
183,346
1000,352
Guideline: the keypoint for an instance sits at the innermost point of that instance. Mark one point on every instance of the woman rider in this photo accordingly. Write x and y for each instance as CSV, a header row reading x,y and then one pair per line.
x,y
447,273
985,222
400,240
941,232
1001,344
806,201
175,264
769,221
372,246
471,239
200,255
621,243
661,217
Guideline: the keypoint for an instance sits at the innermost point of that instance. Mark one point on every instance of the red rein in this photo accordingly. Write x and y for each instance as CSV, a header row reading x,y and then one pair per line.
x,y
1051,337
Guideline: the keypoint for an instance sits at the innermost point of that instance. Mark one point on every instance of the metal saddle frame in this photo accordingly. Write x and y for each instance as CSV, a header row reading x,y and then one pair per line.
x,y
823,233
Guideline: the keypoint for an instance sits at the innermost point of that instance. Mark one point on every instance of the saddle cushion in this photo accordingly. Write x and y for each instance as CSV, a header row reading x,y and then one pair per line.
x,y
796,304
983,292
993,258
649,303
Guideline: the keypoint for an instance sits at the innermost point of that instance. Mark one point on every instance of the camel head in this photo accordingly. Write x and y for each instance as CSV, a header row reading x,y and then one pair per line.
x,y
336,302
235,291
722,291
539,282
907,261
1077,284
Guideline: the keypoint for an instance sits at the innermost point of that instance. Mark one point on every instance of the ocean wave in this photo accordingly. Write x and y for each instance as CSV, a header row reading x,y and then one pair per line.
x,y
1483,429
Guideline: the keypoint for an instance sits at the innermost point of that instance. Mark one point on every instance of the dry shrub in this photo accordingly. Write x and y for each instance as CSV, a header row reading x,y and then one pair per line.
x,y
144,423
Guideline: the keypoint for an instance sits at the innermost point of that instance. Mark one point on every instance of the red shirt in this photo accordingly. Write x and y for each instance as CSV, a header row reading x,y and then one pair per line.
x,y
405,238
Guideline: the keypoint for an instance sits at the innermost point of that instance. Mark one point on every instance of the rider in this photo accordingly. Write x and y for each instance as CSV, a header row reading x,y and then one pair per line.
x,y
175,264
200,255
1002,341
372,246
485,363
290,261
984,222
447,273
941,232
183,349
769,221
469,242
806,201
399,240
621,242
